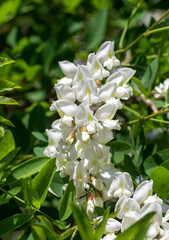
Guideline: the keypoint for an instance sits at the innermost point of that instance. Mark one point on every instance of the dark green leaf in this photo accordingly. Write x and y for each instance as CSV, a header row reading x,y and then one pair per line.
x,y
140,86
37,121
156,159
66,202
11,223
42,180
83,222
40,136
119,149
8,158
7,144
57,184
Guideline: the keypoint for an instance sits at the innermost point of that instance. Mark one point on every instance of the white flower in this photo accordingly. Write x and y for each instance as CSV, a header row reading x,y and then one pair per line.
x,y
125,205
95,67
143,191
108,110
64,91
105,54
107,91
129,219
122,185
64,107
68,68
109,236
112,226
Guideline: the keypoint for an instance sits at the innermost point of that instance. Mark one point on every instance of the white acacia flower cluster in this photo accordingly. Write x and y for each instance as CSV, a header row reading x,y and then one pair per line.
x,y
88,99
133,206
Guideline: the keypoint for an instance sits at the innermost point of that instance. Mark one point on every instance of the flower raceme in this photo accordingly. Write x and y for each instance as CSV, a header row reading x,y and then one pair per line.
x,y
88,98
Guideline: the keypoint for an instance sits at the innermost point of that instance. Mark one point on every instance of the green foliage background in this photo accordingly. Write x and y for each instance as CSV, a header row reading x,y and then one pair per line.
x,y
37,34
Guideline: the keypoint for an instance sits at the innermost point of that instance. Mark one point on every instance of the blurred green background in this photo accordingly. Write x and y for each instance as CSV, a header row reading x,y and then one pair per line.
x,y
38,33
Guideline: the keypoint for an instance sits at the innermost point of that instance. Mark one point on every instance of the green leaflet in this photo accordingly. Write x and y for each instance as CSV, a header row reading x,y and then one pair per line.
x,y
11,223
68,198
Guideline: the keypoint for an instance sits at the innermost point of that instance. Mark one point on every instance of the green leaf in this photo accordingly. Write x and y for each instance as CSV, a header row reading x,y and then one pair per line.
x,y
40,136
68,198
48,226
72,4
42,180
160,177
7,144
6,85
150,75
37,121
67,233
30,194
136,230
168,96
83,222
119,149
4,61
165,164
156,159
8,101
96,29
11,223
140,86
6,121
4,162
101,228
39,151
38,232
57,184
29,167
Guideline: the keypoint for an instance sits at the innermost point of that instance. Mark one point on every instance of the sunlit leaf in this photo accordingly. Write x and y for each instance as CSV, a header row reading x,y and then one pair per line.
x,y
6,85
29,167
160,176
5,61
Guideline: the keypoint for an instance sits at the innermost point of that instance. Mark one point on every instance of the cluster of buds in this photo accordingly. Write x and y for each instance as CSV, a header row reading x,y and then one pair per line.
x,y
88,99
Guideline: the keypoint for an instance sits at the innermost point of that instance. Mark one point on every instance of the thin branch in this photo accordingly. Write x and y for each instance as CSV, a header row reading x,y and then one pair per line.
x,y
143,34
127,25
144,118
